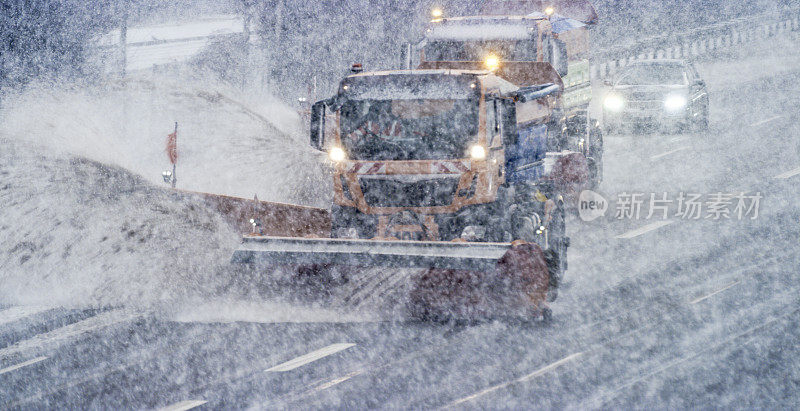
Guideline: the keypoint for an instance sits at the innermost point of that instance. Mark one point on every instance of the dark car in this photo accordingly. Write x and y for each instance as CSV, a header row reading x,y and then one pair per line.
x,y
657,94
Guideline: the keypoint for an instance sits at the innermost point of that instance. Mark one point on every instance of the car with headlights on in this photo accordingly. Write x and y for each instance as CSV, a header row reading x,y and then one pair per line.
x,y
660,94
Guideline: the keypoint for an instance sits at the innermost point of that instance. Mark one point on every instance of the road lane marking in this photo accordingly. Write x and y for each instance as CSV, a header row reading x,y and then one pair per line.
x,y
762,122
12,314
715,292
22,364
528,377
62,334
644,230
788,174
657,156
310,357
337,381
183,405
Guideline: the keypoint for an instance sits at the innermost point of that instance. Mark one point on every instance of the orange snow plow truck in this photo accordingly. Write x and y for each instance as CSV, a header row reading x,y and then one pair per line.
x,y
509,34
445,172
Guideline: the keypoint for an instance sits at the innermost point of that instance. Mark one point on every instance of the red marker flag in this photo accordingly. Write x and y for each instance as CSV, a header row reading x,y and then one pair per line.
x,y
172,146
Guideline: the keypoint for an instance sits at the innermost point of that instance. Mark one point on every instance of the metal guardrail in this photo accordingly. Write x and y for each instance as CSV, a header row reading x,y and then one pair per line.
x,y
696,42
150,46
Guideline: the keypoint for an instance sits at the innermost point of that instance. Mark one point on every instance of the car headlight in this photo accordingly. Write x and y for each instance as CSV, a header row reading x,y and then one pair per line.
x,y
675,102
337,154
614,102
477,152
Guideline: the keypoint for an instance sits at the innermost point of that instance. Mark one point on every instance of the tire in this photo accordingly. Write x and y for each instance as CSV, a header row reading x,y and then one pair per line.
x,y
523,228
700,123
556,255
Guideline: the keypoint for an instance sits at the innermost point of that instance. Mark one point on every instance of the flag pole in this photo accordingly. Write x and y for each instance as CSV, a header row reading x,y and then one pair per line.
x,y
174,176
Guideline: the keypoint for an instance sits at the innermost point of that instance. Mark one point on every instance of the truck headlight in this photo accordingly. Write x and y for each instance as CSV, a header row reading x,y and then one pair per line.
x,y
614,102
477,152
337,154
675,102
492,62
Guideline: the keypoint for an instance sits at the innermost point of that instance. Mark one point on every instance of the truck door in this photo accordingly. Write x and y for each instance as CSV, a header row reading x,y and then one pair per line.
x,y
526,145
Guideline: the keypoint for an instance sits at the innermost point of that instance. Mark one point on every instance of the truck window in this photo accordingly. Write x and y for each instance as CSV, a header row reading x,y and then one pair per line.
x,y
492,125
416,129
477,50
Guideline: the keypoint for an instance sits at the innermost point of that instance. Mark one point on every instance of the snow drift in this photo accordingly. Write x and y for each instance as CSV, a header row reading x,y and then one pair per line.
x,y
76,232
229,142
86,219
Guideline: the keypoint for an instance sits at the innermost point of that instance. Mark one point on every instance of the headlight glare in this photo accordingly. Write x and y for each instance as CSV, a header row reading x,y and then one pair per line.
x,y
492,62
477,152
675,102
337,154
614,102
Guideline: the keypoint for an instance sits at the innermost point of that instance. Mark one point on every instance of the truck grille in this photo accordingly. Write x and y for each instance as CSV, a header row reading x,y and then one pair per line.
x,y
646,105
647,96
645,100
434,192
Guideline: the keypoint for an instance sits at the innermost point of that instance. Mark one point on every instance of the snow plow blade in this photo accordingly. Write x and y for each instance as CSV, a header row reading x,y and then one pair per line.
x,y
452,279
370,253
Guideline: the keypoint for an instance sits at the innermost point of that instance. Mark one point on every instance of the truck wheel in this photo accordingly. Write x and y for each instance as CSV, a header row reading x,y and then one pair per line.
x,y
553,260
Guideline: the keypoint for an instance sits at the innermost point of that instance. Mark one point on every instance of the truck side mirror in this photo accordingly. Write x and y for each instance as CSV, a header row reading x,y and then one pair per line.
x,y
560,57
318,125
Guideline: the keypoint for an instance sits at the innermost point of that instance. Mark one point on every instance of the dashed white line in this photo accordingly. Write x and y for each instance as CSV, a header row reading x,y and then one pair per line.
x,y
788,174
183,405
60,335
310,357
695,301
762,122
22,364
657,156
646,229
518,380
336,381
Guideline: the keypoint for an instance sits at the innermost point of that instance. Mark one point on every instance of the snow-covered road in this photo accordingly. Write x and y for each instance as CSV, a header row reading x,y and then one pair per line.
x,y
655,313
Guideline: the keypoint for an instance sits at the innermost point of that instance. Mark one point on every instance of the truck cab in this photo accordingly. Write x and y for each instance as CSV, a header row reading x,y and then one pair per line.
x,y
442,155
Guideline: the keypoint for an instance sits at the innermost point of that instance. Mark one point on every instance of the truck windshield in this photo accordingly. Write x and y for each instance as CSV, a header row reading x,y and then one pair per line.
x,y
477,50
409,129
653,74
